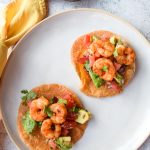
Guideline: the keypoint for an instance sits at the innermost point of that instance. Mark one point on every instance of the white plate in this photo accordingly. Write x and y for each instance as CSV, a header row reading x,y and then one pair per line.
x,y
43,56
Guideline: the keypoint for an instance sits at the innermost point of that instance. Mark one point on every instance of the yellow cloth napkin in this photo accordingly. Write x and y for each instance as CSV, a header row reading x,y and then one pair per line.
x,y
16,18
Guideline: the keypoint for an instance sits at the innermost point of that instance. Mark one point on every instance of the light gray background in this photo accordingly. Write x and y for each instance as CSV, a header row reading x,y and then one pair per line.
x,y
137,12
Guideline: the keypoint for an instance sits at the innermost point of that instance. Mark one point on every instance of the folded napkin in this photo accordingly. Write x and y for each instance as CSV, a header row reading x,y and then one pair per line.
x,y
15,20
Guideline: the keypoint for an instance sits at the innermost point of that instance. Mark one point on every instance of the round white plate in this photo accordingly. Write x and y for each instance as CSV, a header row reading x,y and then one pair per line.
x,y
43,56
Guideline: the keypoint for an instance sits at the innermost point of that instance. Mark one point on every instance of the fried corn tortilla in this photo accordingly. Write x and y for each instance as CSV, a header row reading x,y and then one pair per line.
x,y
87,86
36,141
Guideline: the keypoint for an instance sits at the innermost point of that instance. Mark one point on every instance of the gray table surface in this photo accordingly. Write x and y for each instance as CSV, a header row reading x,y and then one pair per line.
x,y
137,12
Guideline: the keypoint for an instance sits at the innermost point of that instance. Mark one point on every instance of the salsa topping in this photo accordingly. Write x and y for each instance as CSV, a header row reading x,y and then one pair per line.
x,y
100,70
56,117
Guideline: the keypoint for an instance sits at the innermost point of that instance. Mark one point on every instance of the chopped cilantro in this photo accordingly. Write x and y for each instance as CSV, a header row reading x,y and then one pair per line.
x,y
51,100
24,91
62,101
39,124
28,95
48,111
75,109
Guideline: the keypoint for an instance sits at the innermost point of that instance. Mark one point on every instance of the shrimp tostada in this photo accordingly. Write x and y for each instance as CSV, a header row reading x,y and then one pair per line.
x,y
51,117
104,62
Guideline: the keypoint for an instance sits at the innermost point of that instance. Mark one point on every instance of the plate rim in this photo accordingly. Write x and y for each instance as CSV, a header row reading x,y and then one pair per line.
x,y
101,11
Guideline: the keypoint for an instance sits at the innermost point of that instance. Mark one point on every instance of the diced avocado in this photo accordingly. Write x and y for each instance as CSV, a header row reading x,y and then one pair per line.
x,y
28,95
113,40
119,42
119,79
75,109
95,78
115,53
28,123
83,116
95,38
65,139
64,143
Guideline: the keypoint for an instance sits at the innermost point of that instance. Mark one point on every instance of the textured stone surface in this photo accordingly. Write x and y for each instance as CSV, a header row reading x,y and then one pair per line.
x,y
137,12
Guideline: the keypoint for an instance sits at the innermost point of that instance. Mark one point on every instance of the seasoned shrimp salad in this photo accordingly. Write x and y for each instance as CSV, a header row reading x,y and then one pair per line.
x,y
56,118
105,59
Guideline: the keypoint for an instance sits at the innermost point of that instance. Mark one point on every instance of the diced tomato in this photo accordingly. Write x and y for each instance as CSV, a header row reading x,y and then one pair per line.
x,y
117,66
92,60
87,40
82,60
52,144
106,36
64,132
69,125
70,101
113,85
71,116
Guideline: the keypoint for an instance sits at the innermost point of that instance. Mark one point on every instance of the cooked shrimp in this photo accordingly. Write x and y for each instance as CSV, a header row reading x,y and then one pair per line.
x,y
125,56
37,108
59,113
101,48
49,130
104,68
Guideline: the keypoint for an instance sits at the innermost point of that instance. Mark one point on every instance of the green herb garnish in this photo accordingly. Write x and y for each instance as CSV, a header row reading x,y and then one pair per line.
x,y
105,68
51,100
28,95
28,123
48,111
39,124
62,101
75,109
95,78
24,91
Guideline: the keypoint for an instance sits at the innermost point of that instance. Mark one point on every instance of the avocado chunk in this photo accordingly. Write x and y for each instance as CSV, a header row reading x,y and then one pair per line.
x,y
95,78
65,139
119,79
64,143
28,123
94,38
83,116
113,40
